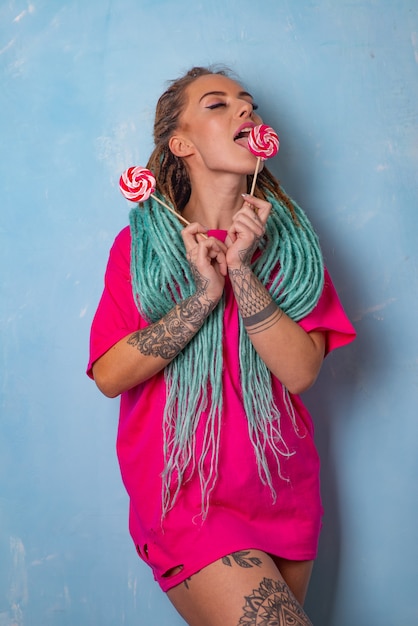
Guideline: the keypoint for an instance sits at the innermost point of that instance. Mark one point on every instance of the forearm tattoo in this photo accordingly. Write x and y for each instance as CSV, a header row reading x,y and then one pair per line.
x,y
257,309
167,337
273,603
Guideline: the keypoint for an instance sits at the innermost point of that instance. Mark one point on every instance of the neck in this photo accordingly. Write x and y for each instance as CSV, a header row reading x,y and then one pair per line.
x,y
214,202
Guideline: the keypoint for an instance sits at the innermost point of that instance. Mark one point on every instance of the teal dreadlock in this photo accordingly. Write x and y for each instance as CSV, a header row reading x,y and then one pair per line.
x,y
290,266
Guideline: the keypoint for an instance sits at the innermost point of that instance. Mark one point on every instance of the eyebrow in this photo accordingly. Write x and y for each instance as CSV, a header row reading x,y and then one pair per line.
x,y
223,93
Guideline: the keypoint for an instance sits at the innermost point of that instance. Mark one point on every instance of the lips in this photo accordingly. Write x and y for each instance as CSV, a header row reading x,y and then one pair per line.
x,y
242,132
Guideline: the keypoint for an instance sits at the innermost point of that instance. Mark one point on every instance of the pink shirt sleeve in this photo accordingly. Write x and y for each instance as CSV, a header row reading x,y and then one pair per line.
x,y
117,314
329,316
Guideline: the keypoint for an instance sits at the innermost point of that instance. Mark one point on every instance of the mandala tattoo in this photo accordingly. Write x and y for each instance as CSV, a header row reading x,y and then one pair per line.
x,y
242,559
167,337
272,604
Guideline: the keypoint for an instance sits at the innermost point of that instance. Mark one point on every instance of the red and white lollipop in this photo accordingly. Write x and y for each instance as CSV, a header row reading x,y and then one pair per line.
x,y
264,143
138,184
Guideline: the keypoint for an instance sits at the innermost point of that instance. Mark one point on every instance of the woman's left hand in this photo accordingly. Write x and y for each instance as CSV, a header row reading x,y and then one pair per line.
x,y
248,226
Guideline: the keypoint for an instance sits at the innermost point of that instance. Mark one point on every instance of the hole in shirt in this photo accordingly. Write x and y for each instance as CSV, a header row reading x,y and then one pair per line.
x,y
173,571
142,553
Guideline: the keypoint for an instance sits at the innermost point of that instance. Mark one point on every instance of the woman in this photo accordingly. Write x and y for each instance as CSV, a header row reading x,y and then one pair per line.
x,y
209,333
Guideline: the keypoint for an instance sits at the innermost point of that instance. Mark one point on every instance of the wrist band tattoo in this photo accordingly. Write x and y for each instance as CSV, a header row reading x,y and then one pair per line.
x,y
262,315
265,324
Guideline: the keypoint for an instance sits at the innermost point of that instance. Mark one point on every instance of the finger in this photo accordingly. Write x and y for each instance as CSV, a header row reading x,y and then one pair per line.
x,y
248,212
193,228
219,260
253,213
206,250
222,264
193,233
231,237
261,207
248,221
215,244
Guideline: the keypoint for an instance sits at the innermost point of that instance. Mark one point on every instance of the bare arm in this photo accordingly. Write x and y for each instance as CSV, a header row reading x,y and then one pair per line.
x,y
144,353
292,355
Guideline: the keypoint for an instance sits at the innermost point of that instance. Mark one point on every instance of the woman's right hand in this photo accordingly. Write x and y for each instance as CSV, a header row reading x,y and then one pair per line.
x,y
207,260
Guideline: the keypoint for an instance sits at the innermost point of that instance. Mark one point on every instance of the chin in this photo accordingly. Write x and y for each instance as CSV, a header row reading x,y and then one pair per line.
x,y
250,171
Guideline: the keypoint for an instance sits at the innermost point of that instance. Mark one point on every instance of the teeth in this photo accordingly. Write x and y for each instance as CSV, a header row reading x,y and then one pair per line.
x,y
242,132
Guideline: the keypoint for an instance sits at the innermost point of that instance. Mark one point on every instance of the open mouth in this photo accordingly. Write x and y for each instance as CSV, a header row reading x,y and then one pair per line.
x,y
241,136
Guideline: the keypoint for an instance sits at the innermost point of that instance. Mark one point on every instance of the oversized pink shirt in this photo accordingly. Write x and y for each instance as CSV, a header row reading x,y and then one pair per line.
x,y
242,513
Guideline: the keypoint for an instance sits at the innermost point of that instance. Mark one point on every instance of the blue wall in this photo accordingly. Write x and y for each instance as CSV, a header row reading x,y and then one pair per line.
x,y
79,81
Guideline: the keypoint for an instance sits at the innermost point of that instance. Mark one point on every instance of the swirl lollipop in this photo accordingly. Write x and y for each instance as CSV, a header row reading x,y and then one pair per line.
x,y
264,143
138,184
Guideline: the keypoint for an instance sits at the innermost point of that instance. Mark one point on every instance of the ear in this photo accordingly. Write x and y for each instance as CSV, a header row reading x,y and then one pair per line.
x,y
180,146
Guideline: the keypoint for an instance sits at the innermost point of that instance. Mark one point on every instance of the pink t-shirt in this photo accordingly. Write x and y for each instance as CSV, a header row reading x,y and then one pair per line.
x,y
242,513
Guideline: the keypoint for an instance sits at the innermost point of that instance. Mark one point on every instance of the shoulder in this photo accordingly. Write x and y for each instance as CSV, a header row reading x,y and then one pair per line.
x,y
123,239
121,247
120,253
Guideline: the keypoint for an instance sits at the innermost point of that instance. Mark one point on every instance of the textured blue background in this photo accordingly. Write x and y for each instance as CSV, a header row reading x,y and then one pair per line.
x,y
79,81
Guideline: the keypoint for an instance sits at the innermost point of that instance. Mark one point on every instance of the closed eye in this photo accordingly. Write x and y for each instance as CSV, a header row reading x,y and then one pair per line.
x,y
223,104
216,105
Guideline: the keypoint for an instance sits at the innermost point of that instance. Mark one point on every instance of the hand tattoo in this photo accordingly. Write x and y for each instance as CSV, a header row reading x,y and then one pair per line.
x,y
247,254
200,281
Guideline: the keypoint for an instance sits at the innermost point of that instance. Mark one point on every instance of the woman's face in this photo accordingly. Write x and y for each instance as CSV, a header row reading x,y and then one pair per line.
x,y
215,124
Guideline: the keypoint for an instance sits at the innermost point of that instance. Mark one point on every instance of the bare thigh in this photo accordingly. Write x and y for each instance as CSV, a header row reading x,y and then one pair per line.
x,y
243,589
296,574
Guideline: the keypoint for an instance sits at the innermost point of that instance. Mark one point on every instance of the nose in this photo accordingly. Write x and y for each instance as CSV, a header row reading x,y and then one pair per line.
x,y
244,109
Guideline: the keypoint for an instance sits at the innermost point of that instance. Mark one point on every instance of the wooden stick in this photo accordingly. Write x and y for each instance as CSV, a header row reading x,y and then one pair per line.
x,y
257,167
178,215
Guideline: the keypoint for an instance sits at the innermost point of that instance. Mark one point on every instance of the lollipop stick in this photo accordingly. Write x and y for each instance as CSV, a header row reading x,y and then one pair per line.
x,y
257,167
178,215
137,183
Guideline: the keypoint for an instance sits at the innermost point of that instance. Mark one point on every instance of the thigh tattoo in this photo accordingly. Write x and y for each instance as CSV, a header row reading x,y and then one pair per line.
x,y
273,604
242,558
